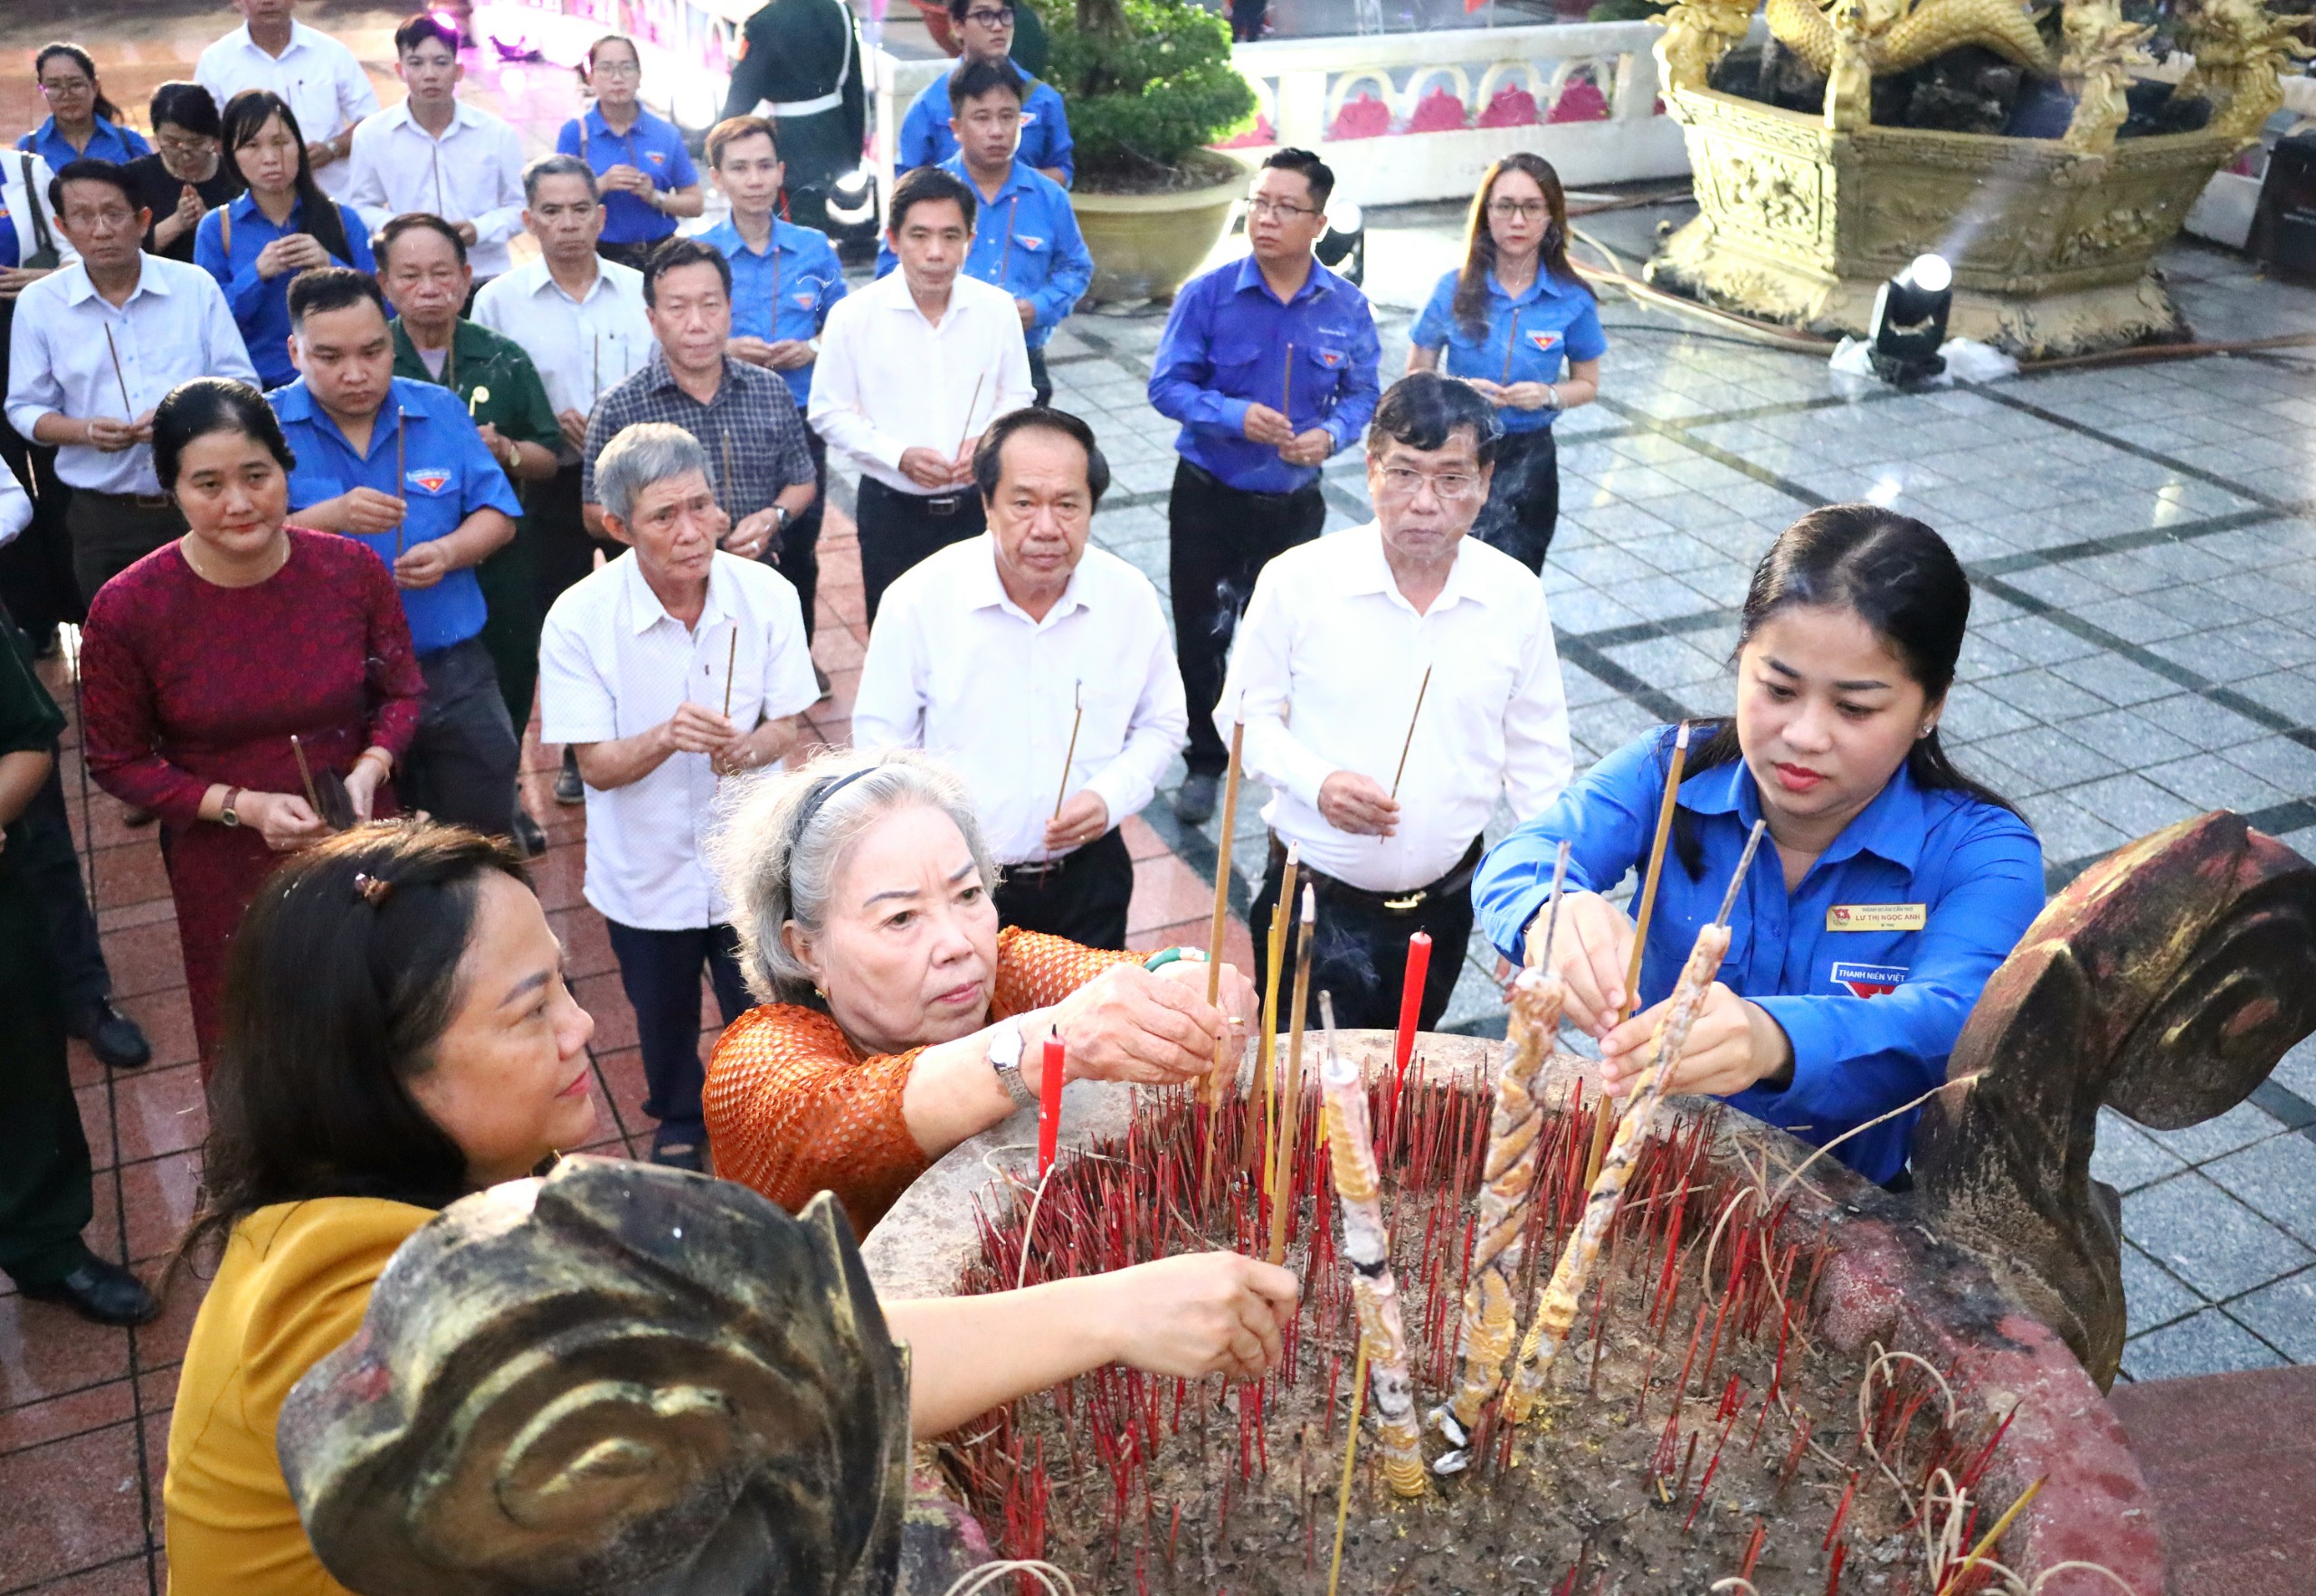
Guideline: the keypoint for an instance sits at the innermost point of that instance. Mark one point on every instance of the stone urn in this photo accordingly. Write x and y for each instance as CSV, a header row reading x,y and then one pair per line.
x,y
1803,217
1145,246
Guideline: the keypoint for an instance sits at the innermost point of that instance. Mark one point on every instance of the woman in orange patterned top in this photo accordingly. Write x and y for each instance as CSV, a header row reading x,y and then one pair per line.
x,y
899,1020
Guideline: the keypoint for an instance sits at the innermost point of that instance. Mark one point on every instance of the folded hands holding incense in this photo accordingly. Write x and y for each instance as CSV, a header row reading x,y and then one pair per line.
x,y
1734,1044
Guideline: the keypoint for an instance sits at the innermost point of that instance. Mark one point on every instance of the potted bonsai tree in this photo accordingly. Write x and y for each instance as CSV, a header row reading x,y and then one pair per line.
x,y
1149,85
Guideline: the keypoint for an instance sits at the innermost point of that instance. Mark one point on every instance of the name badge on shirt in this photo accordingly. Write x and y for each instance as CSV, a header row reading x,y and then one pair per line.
x,y
1867,981
1877,916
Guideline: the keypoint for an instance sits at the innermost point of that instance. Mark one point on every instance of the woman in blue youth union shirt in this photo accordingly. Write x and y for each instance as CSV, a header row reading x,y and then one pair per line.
x,y
1893,884
1505,321
646,175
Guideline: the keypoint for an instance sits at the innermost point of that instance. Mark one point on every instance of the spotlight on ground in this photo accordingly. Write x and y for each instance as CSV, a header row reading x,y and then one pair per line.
x,y
1910,322
1346,240
852,214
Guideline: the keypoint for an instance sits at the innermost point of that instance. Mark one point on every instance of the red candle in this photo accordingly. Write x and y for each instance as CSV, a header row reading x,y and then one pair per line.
x,y
1050,1107
1412,1004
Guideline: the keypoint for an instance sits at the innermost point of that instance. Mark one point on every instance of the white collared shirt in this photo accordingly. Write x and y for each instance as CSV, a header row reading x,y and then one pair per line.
x,y
583,348
613,663
175,325
473,172
325,87
1331,647
956,667
888,380
16,507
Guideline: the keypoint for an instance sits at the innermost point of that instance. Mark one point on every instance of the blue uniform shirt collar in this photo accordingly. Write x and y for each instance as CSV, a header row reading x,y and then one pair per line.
x,y
1545,286
243,207
1890,827
1251,276
296,402
1014,183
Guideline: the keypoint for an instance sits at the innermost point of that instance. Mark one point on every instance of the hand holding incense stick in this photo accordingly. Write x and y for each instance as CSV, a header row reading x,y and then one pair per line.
x,y
1556,1303
1061,794
306,774
1605,1116
731,667
1425,686
1367,1249
1290,1091
127,411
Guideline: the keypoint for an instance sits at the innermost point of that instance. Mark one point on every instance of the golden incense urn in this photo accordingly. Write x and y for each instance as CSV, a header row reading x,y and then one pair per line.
x,y
1804,216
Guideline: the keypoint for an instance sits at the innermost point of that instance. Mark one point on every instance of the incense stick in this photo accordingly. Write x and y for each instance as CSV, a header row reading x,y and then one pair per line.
x,y
731,667
1221,921
1556,1303
1510,347
1282,914
1071,757
1350,1457
1409,743
972,404
724,494
401,481
1367,1249
126,409
306,774
1650,878
1290,1094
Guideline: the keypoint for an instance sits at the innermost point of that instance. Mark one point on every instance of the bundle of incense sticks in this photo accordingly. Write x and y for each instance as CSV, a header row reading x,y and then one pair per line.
x,y
1367,1249
1604,1121
1262,1130
1556,1303
1290,1085
1507,1181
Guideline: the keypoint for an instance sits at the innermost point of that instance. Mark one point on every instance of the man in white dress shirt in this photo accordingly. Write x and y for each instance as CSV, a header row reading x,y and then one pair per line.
x,y
95,347
912,368
1040,669
583,321
641,670
325,87
435,153
1327,671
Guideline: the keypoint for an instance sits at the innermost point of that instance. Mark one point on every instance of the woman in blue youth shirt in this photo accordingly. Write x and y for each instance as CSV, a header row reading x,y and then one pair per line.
x,y
82,124
640,161
284,225
1505,321
1891,884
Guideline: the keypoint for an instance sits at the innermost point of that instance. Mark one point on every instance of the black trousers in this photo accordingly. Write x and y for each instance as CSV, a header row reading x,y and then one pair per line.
x,y
37,587
462,763
661,972
1221,539
1084,897
45,1199
1361,955
1040,383
111,532
510,632
800,545
898,530
1523,504
562,550
50,866
629,254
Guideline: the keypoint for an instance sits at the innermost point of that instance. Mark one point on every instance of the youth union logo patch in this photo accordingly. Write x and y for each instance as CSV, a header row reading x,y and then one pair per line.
x,y
1867,981
428,480
1541,341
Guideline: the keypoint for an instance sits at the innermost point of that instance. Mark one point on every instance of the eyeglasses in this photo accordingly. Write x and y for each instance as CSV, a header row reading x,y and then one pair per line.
x,y
991,19
184,144
617,69
1449,487
1258,206
1526,210
66,88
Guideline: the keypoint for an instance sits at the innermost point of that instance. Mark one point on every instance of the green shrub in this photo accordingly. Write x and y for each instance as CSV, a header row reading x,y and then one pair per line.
x,y
1146,83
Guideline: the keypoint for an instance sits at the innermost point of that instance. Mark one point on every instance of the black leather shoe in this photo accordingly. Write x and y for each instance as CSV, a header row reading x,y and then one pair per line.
x,y
567,787
1194,803
112,1036
527,835
101,1292
680,1147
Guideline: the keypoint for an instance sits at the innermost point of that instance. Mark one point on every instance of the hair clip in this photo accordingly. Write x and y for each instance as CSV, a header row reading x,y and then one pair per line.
x,y
372,889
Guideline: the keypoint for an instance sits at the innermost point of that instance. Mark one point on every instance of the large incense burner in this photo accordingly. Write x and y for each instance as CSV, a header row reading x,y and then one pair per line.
x,y
1805,214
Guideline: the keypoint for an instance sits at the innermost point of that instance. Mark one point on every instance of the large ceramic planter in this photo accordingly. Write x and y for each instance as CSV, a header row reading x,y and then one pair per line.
x,y
2052,246
1145,246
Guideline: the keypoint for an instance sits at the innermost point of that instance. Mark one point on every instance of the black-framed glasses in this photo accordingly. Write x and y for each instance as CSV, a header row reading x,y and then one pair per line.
x,y
990,17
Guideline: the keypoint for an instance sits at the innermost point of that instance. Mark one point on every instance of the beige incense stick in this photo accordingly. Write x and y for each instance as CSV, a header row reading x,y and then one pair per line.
x,y
1290,1090
1556,1303
1267,1050
972,404
1511,348
1286,390
731,667
1215,1085
1367,1249
127,410
402,482
1409,743
1069,759
724,488
1516,1142
1604,1116
1350,1457
306,774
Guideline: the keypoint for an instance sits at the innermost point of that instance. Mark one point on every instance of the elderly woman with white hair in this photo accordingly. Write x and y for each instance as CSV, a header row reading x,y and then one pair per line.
x,y
897,1020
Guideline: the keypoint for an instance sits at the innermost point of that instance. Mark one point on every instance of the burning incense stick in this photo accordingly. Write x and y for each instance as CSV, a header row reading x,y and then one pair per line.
x,y
127,410
1267,1052
1420,690
1516,1140
1556,1305
1350,1457
306,774
1215,1084
1069,759
1603,1119
1290,1092
1367,1249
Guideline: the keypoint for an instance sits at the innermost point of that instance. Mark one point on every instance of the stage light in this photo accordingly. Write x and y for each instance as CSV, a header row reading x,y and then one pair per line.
x,y
1910,322
1346,240
853,222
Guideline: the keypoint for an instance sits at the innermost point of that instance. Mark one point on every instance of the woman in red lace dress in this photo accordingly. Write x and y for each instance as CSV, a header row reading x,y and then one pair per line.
x,y
199,661
899,1020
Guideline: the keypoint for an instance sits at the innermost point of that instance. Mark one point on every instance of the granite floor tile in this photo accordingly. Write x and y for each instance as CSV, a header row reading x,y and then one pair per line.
x,y
2126,1157
2283,1314
2218,1247
2277,1177
2152,1294
2208,1343
2240,1126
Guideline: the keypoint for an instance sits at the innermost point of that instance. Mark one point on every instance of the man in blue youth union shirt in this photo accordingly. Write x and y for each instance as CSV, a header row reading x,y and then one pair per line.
x,y
984,33
1025,234
399,465
1269,365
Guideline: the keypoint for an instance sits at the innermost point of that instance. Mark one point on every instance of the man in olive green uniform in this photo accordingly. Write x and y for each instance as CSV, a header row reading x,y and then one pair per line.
x,y
802,67
45,1202
422,268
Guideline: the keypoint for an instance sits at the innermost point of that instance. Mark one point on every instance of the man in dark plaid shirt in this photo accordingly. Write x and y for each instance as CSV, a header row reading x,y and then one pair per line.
x,y
742,414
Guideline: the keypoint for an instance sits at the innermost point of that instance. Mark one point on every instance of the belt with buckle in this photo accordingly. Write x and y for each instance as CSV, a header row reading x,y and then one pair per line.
x,y
144,501
941,504
1459,880
1039,868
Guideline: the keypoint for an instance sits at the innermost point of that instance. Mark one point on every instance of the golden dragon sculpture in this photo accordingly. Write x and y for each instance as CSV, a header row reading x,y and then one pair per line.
x,y
2239,48
1901,37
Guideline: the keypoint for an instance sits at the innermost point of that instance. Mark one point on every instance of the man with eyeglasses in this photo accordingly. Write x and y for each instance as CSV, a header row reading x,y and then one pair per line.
x,y
325,87
1405,622
983,29
1269,365
800,66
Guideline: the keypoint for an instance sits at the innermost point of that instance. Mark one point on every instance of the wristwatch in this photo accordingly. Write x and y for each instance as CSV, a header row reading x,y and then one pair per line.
x,y
1005,1045
780,517
226,815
